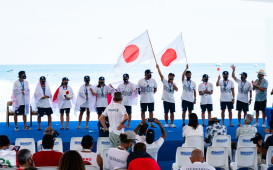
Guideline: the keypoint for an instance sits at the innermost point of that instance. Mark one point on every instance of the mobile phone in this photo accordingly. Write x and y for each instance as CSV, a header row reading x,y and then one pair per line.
x,y
151,120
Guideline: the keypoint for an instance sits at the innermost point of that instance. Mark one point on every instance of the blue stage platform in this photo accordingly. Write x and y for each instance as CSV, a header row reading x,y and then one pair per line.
x,y
166,155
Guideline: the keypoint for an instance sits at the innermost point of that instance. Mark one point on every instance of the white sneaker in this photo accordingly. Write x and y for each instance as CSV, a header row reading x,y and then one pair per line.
x,y
264,125
256,124
173,126
166,125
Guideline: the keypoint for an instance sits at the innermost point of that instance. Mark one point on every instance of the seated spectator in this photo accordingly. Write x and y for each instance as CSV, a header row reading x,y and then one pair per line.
x,y
246,129
152,145
141,131
25,159
140,159
71,160
117,157
197,160
47,156
6,153
89,157
214,128
193,128
103,132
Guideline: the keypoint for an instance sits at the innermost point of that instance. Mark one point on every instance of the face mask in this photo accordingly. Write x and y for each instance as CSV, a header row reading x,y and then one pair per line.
x,y
258,76
225,78
242,78
188,78
170,79
101,83
42,82
149,76
24,77
87,81
205,80
65,83
125,80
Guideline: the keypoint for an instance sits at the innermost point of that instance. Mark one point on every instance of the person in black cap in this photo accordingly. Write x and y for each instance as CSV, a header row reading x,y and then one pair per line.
x,y
141,131
101,90
127,90
146,89
21,99
43,97
84,101
205,91
244,87
168,96
227,96
188,94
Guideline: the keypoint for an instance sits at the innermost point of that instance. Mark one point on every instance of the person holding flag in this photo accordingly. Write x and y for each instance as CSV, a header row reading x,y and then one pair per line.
x,y
21,99
168,96
146,89
62,98
129,95
85,101
42,101
188,94
244,87
205,91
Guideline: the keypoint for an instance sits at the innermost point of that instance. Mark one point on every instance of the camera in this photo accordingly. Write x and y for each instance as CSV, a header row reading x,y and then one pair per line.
x,y
55,134
257,138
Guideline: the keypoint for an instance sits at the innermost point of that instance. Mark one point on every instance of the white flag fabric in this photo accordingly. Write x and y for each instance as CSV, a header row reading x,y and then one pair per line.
x,y
174,52
137,51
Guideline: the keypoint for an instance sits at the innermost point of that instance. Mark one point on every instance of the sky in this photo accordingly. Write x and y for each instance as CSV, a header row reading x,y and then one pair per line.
x,y
96,31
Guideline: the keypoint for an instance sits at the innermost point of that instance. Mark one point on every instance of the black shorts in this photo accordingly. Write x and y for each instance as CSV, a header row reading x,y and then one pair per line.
x,y
100,110
260,105
67,111
144,107
186,105
168,107
225,105
20,110
241,106
207,107
83,109
128,109
42,111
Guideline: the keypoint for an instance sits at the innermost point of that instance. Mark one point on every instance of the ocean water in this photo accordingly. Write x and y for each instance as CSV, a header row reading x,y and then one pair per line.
x,y
75,73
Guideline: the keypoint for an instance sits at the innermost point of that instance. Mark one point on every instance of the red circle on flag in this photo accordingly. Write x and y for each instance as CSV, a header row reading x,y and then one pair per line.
x,y
218,68
130,53
168,57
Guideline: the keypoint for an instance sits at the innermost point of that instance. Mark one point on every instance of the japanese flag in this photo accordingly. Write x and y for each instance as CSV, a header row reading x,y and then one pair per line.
x,y
174,52
137,51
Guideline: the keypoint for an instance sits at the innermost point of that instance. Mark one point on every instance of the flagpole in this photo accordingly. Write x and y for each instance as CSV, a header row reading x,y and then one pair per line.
x,y
151,46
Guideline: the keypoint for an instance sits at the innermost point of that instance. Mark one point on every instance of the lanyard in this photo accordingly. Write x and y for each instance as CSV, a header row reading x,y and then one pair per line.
x,y
225,85
243,85
122,148
102,88
170,85
87,150
86,90
189,84
205,85
43,88
47,149
126,86
65,88
23,85
260,82
147,82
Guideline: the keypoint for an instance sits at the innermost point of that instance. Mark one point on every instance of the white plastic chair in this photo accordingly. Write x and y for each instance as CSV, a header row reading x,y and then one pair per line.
x,y
266,136
217,157
90,167
245,141
102,143
223,141
195,141
47,168
245,157
75,143
58,145
182,157
105,158
269,154
26,143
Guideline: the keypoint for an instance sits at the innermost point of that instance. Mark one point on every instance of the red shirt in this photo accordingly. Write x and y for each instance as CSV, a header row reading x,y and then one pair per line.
x,y
47,158
143,164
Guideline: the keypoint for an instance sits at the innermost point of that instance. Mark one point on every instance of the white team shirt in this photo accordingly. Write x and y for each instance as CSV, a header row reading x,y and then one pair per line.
x,y
168,91
188,88
205,98
90,158
153,148
198,166
20,85
115,113
146,90
102,95
226,90
117,158
243,89
126,91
